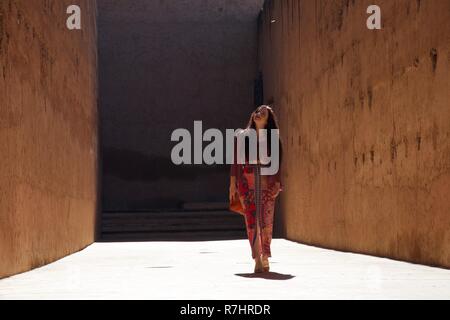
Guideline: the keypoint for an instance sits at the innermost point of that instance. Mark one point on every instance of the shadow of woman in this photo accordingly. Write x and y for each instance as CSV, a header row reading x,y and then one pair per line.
x,y
266,275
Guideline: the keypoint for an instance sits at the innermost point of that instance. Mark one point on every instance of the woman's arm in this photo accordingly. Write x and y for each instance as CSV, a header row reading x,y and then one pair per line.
x,y
233,188
276,186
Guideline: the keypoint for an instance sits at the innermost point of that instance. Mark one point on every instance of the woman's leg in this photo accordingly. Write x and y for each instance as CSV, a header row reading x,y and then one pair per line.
x,y
253,234
268,204
255,243
247,190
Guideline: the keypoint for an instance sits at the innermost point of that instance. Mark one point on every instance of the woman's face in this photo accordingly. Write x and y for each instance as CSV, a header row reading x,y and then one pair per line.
x,y
260,117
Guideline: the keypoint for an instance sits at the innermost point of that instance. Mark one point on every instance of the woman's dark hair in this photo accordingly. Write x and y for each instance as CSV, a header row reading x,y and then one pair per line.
x,y
272,123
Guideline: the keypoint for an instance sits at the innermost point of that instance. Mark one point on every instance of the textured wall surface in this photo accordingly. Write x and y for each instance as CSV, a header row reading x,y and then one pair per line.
x,y
48,132
365,119
164,64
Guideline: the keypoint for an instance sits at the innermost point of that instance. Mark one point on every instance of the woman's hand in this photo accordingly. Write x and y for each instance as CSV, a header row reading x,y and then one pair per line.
x,y
276,188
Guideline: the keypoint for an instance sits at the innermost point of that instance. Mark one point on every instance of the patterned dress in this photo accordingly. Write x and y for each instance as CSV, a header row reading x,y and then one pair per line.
x,y
257,194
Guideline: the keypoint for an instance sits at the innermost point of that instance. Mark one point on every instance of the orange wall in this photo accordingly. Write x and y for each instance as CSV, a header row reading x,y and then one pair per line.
x,y
365,119
48,132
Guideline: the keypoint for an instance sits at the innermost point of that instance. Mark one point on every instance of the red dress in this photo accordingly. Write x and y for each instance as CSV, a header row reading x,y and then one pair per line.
x,y
257,194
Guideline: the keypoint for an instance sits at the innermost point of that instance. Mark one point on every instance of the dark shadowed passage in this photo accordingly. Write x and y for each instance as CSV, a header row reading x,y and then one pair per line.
x,y
163,65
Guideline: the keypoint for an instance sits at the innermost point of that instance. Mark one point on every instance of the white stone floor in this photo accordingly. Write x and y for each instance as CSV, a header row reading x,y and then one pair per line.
x,y
224,270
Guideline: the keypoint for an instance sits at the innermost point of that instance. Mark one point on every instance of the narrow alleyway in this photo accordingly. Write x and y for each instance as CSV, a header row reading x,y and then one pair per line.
x,y
223,270
86,122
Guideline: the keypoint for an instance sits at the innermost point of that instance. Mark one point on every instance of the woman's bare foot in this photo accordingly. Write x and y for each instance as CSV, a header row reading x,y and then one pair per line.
x,y
265,263
258,265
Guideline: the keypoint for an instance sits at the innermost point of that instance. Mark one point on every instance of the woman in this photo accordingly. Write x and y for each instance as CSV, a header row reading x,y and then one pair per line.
x,y
257,192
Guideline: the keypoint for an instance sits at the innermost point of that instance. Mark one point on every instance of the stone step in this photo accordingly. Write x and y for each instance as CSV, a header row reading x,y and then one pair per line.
x,y
174,236
219,206
184,226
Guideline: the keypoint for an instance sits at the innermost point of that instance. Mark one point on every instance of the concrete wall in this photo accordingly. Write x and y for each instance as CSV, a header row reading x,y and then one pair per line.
x,y
164,64
365,120
48,132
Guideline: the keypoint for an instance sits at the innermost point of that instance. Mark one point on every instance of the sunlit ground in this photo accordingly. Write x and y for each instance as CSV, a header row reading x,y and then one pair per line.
x,y
224,270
